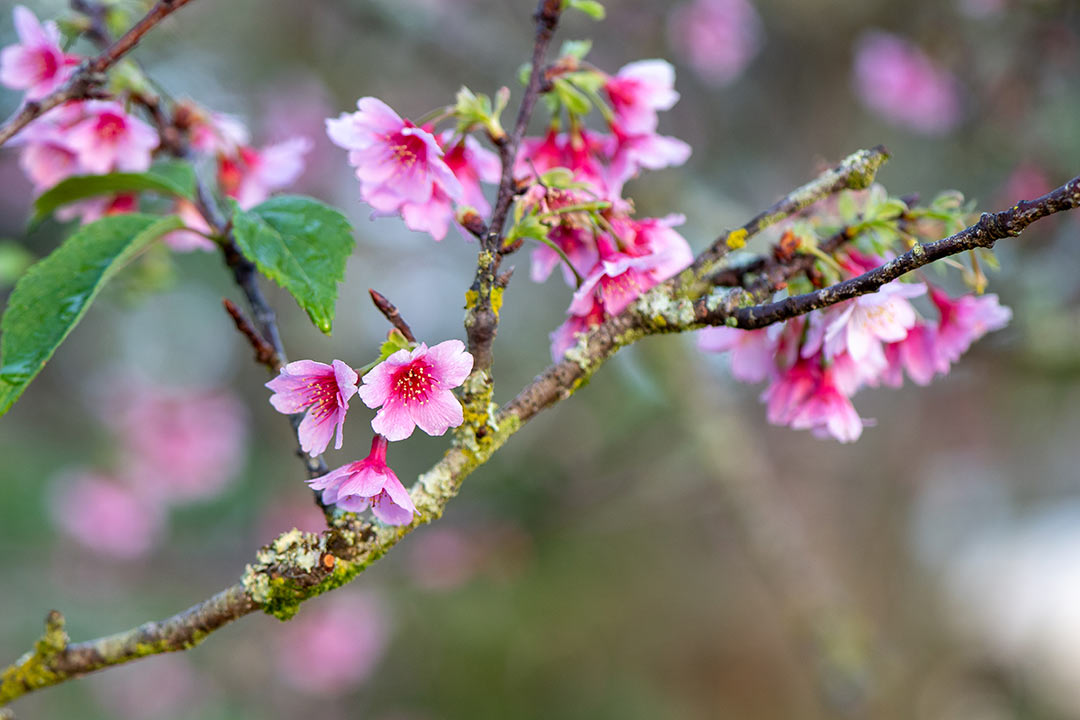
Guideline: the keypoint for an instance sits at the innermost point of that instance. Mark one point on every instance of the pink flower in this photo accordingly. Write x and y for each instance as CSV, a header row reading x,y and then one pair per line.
x,y
47,156
215,133
109,139
37,64
807,397
638,91
895,79
918,354
333,646
400,166
752,351
575,242
323,391
250,175
636,152
717,38
472,164
106,516
181,446
964,320
414,388
370,481
869,320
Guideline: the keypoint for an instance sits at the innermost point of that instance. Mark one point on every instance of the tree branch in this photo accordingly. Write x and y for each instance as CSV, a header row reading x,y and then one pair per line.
x,y
87,80
298,566
990,228
484,298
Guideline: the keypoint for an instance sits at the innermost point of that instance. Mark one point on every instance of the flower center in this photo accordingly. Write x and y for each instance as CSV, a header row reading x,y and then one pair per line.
x,y
414,382
407,149
110,127
323,394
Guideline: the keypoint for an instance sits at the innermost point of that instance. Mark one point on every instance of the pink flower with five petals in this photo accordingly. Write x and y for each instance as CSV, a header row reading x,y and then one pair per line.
x,y
323,391
368,482
414,388
109,139
638,91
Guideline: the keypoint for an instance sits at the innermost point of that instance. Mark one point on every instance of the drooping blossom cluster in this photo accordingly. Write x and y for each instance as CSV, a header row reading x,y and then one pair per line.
x,y
897,80
815,365
610,256
96,137
175,447
716,38
410,388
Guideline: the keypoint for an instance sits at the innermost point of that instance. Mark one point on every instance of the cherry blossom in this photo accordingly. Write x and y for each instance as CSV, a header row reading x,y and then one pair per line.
x,y
471,164
751,350
320,389
334,645
368,482
807,397
414,388
37,64
964,320
638,91
899,81
106,515
251,174
108,139
717,38
400,166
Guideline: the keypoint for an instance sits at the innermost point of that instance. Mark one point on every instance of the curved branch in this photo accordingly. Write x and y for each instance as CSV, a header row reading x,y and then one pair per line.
x,y
90,76
298,566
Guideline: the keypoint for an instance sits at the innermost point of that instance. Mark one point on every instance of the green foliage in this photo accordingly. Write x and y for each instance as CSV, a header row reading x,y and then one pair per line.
x,y
590,7
302,245
170,178
53,295
14,259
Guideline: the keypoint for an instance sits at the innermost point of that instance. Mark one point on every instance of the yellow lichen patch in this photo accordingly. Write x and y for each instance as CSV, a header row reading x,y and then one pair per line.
x,y
736,239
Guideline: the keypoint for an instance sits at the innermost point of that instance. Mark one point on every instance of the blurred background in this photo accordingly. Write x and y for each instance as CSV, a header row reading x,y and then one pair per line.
x,y
652,548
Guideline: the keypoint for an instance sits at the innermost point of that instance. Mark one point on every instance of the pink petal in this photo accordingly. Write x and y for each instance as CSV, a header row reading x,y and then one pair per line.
x,y
441,411
392,421
451,362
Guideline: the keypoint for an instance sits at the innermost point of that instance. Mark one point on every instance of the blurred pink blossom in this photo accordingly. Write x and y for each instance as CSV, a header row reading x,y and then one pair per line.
x,y
189,239
334,644
444,558
251,174
717,38
638,91
108,138
181,446
106,515
964,320
897,80
37,64
751,350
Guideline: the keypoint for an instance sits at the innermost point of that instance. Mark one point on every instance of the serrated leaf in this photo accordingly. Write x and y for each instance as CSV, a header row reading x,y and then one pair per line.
x,y
53,295
302,245
173,178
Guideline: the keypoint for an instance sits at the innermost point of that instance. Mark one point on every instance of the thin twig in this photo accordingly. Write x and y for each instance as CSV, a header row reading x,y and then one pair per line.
x,y
264,351
87,80
298,566
391,313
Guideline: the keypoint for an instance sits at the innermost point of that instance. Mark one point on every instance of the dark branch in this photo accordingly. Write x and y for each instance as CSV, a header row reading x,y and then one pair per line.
x,y
983,234
89,77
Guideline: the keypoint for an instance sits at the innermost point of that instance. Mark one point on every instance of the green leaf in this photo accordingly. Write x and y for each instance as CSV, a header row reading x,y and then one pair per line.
x,y
575,48
302,245
172,178
53,295
573,100
590,7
